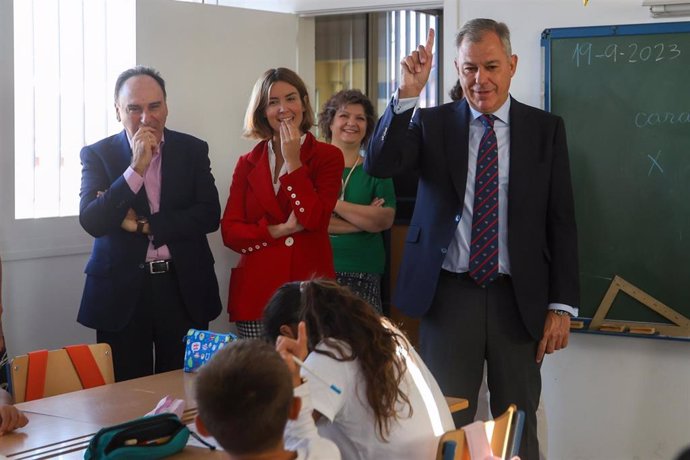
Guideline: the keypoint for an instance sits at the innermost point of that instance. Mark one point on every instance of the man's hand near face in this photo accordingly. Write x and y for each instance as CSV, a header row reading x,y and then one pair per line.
x,y
144,144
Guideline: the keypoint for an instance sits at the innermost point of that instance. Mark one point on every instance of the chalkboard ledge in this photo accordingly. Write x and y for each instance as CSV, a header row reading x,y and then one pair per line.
x,y
657,336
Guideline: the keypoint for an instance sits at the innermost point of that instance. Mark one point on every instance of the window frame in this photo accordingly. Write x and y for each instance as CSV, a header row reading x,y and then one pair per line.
x,y
31,238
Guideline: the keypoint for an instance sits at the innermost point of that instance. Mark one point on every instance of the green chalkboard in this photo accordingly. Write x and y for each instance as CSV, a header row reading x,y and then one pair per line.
x,y
624,93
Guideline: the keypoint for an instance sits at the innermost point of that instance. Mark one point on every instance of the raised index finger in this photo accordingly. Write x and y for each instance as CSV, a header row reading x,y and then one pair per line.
x,y
430,41
302,335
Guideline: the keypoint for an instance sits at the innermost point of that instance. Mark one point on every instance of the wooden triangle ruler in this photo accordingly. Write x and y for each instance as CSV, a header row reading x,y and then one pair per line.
x,y
679,326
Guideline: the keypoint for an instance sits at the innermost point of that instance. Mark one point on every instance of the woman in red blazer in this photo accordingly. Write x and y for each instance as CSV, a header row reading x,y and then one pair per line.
x,y
281,199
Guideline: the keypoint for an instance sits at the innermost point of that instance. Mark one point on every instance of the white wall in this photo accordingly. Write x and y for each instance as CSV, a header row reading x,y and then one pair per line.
x,y
614,398
210,58
606,398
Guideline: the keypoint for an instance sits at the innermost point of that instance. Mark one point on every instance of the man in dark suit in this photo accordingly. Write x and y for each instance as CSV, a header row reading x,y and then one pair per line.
x,y
500,289
149,199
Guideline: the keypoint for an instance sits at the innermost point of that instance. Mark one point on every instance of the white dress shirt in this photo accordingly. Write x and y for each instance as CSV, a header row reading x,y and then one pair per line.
x,y
458,255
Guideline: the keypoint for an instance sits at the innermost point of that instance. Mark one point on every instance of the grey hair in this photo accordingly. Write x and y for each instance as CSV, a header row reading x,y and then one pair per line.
x,y
474,31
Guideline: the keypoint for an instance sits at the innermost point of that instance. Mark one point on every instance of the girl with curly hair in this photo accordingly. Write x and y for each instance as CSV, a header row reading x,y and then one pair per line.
x,y
389,404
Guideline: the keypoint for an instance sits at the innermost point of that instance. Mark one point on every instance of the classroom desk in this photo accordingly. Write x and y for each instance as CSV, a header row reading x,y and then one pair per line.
x,y
47,436
63,425
118,402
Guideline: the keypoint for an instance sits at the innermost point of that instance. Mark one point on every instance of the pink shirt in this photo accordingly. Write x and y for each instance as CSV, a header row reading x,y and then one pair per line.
x,y
152,182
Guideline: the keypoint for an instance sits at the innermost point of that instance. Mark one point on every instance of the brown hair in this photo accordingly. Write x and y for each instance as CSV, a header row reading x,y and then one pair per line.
x,y
244,394
256,125
334,314
340,100
456,92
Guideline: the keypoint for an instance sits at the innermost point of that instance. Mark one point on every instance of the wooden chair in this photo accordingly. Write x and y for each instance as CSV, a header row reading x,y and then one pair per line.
x,y
503,434
60,374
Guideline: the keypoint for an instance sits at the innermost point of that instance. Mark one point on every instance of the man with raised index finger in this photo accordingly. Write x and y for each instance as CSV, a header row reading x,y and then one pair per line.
x,y
490,261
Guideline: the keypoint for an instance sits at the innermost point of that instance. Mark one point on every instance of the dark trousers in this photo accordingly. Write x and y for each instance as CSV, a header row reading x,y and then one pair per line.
x,y
468,325
153,340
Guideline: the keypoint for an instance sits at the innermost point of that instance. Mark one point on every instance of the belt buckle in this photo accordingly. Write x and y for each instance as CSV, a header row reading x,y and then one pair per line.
x,y
159,266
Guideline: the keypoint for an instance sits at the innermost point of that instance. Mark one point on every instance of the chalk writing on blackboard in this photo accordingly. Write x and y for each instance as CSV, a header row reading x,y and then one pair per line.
x,y
655,163
644,119
623,94
586,54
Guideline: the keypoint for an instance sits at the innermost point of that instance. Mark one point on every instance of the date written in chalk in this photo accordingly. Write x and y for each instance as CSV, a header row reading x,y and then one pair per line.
x,y
585,54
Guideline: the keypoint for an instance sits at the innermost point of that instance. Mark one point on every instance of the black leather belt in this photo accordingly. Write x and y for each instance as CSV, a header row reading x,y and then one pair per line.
x,y
157,267
465,276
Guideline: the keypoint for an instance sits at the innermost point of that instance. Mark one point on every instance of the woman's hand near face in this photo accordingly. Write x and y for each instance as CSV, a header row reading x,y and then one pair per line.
x,y
290,144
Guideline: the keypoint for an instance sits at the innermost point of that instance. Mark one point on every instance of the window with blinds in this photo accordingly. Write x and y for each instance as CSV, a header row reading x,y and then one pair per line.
x,y
403,31
67,56
364,51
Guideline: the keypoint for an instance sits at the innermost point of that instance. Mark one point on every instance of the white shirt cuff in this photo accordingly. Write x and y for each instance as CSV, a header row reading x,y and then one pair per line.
x,y
561,306
404,104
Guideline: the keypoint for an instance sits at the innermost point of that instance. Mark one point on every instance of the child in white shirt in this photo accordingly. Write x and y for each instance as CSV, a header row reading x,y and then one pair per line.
x,y
388,404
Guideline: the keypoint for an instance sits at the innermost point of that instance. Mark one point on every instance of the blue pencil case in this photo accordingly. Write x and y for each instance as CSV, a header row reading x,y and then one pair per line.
x,y
201,345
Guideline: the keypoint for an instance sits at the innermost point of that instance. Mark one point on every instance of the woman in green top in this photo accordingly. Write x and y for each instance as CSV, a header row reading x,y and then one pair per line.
x,y
366,206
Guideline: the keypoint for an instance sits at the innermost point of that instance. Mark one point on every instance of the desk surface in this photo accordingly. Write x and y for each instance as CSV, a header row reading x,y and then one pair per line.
x,y
63,425
46,436
118,402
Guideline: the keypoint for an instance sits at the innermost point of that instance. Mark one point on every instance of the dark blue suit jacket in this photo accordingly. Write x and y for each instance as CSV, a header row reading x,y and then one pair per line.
x,y
542,237
189,209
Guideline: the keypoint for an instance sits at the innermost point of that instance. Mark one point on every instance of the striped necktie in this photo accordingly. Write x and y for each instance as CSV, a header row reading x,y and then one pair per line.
x,y
484,244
